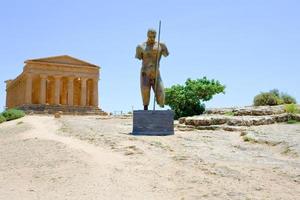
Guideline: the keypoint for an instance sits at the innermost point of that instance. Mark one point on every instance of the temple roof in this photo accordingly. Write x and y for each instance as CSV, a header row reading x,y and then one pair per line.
x,y
63,59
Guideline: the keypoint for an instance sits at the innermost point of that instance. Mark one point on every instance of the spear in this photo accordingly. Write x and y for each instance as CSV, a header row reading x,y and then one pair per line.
x,y
156,66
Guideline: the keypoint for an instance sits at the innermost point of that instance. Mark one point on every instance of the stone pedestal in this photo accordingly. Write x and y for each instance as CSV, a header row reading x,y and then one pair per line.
x,y
158,122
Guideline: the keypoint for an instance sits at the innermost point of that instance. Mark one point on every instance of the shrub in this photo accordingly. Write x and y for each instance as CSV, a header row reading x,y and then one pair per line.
x,y
291,108
2,118
12,114
275,92
185,100
292,121
287,99
267,98
229,113
272,98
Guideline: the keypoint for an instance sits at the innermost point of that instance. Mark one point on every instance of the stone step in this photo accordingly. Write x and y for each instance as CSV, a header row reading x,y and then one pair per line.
x,y
214,120
65,109
249,110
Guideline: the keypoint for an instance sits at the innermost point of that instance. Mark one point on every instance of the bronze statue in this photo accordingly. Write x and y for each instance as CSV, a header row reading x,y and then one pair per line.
x,y
150,52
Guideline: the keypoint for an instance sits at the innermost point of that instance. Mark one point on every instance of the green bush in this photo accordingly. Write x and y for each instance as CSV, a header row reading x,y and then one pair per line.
x,y
267,98
229,113
287,99
12,114
292,121
185,100
291,108
2,118
273,98
275,92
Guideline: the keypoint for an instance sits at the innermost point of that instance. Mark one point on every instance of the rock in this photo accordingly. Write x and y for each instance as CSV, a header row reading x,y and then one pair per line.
x,y
189,121
181,120
263,121
259,110
242,111
219,111
202,122
240,122
236,117
57,115
234,128
296,117
250,110
281,118
212,128
183,127
206,120
219,120
213,120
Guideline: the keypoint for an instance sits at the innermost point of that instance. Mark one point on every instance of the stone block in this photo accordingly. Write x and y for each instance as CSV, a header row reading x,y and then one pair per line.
x,y
57,115
158,122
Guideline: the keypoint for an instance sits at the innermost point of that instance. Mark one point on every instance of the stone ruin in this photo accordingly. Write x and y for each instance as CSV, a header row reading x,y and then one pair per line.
x,y
236,119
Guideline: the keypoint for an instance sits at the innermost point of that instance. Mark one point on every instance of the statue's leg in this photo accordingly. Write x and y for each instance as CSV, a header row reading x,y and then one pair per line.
x,y
145,88
160,93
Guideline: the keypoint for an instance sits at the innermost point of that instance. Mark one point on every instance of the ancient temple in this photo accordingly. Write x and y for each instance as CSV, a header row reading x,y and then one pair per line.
x,y
60,83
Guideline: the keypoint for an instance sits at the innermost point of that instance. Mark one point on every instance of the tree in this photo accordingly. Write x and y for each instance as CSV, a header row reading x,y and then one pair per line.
x,y
185,100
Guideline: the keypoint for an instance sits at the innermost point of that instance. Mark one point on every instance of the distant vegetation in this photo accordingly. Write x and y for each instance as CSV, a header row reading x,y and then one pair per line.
x,y
186,100
292,121
291,108
229,113
273,98
11,114
2,118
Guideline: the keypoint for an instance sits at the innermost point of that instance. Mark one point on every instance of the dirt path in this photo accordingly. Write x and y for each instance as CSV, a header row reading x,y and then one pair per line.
x,y
97,158
38,164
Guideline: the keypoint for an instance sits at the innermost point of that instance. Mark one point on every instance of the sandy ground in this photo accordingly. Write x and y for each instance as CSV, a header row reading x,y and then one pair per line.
x,y
92,157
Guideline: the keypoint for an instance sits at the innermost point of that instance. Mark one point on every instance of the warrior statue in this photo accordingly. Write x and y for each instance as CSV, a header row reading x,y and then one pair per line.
x,y
150,52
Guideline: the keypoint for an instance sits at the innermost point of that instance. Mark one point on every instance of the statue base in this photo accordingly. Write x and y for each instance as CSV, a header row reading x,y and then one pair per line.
x,y
153,122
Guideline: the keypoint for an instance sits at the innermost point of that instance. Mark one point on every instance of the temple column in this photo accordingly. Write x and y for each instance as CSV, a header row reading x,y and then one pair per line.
x,y
43,88
70,91
57,89
7,98
17,92
28,90
83,92
8,91
95,92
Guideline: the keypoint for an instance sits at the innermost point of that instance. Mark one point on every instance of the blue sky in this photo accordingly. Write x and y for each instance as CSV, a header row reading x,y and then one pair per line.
x,y
248,45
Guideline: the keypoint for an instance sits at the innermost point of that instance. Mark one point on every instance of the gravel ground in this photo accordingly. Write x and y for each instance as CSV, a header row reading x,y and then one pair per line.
x,y
92,157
